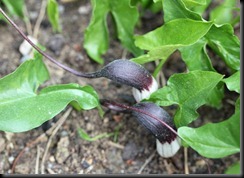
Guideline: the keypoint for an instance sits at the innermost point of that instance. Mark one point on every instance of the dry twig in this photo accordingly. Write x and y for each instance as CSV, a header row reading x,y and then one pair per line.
x,y
50,171
146,162
206,161
167,166
115,145
27,21
186,161
39,19
160,77
37,159
62,119
89,169
124,53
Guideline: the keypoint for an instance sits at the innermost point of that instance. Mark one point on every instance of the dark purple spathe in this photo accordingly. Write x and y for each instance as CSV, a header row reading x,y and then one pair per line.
x,y
128,73
160,131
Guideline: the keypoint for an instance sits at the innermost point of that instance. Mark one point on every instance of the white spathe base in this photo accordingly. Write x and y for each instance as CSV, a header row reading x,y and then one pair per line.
x,y
167,150
145,93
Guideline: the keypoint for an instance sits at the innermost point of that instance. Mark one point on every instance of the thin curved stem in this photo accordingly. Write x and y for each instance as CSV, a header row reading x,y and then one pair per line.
x,y
80,74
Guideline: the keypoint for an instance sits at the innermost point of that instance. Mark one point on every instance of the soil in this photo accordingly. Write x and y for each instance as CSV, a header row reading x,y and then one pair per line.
x,y
68,152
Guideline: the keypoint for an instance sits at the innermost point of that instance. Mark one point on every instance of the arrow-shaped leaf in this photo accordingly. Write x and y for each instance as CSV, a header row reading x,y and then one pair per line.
x,y
22,108
215,140
172,35
189,91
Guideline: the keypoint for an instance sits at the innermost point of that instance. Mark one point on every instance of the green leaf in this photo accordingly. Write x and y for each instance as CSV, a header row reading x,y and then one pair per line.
x,y
223,13
224,43
215,96
194,3
189,91
177,9
233,82
215,140
172,35
32,110
234,169
125,17
176,32
155,7
22,108
158,53
53,15
24,80
92,92
2,17
201,8
15,7
96,34
196,58
86,137
84,95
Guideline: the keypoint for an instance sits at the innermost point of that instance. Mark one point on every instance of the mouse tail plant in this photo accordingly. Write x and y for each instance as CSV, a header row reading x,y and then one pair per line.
x,y
156,120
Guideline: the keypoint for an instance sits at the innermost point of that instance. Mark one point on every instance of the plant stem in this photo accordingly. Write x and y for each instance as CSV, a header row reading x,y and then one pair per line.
x,y
27,21
108,103
39,19
158,68
80,74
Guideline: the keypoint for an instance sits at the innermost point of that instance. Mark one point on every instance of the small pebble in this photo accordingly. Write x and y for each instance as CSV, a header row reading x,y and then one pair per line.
x,y
52,159
56,43
25,48
130,151
84,10
11,159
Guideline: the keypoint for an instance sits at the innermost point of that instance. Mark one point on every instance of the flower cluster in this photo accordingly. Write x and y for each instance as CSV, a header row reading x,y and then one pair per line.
x,y
153,117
